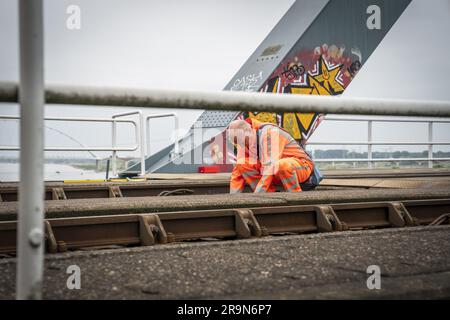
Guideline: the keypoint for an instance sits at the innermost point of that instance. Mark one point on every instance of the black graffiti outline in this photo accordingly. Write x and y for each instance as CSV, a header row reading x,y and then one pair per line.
x,y
293,72
354,67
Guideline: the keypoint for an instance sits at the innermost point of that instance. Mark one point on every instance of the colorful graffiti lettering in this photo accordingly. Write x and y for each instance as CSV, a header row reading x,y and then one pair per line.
x,y
326,70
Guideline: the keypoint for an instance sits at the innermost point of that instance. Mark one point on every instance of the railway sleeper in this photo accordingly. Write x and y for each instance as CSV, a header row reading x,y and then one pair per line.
x,y
115,192
58,194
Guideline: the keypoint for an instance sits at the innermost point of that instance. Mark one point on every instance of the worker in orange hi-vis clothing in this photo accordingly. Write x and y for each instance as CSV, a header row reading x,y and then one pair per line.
x,y
267,156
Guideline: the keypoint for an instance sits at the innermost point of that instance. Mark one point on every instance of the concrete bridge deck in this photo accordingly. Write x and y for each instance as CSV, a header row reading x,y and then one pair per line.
x,y
414,261
415,265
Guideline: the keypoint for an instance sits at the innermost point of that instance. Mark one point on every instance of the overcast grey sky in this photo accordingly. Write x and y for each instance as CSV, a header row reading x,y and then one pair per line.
x,y
199,45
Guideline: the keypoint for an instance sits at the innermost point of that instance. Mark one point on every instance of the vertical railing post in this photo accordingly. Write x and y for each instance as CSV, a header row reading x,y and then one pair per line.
x,y
177,129
142,142
30,236
369,144
114,153
147,135
140,139
430,146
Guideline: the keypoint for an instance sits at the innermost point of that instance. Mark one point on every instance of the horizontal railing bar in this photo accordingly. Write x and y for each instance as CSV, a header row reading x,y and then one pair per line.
x,y
130,113
8,148
359,143
161,115
379,159
329,118
230,100
361,119
72,119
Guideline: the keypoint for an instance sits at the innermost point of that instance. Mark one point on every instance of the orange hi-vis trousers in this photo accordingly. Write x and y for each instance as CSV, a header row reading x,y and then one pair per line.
x,y
291,172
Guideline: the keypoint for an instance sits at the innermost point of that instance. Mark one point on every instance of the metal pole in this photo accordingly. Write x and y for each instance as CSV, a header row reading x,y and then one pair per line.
x,y
369,140
142,142
232,101
430,146
107,169
176,129
114,153
140,138
30,255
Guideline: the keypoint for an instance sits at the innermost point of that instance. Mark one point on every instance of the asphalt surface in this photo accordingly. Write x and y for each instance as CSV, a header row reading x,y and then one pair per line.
x,y
414,263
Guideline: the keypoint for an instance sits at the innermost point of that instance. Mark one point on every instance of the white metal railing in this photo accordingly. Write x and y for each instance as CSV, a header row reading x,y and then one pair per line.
x,y
140,137
30,233
163,115
231,101
73,119
370,143
139,142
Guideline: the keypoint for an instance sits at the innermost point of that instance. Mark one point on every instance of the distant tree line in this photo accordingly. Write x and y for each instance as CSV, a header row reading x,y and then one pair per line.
x,y
346,154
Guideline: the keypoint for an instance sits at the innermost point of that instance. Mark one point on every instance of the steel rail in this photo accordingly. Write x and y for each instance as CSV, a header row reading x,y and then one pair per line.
x,y
114,190
148,229
64,191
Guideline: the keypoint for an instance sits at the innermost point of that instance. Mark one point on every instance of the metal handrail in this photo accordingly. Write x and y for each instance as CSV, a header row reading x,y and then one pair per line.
x,y
140,137
369,143
359,118
378,143
230,101
114,148
163,115
132,148
379,159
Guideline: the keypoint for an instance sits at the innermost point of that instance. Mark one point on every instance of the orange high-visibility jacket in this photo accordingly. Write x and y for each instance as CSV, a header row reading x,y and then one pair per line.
x,y
274,144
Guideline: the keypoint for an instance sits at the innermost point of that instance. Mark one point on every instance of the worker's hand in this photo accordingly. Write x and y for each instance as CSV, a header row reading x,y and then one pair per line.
x,y
269,170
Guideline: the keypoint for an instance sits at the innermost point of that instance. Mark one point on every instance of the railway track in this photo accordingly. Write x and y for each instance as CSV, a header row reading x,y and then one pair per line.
x,y
63,191
120,189
63,234
130,190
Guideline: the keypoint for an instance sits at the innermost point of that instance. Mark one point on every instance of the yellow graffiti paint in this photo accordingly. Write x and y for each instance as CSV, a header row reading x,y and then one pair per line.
x,y
306,119
322,81
328,79
275,87
317,88
264,116
290,125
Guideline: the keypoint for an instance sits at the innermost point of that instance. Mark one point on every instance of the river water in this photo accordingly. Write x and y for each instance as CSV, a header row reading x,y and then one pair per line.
x,y
58,172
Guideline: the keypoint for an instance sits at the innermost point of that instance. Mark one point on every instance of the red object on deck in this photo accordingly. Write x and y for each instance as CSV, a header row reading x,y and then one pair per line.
x,y
209,169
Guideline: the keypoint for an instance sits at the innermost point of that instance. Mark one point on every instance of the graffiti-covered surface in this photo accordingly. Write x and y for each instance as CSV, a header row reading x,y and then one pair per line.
x,y
325,70
328,56
318,47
